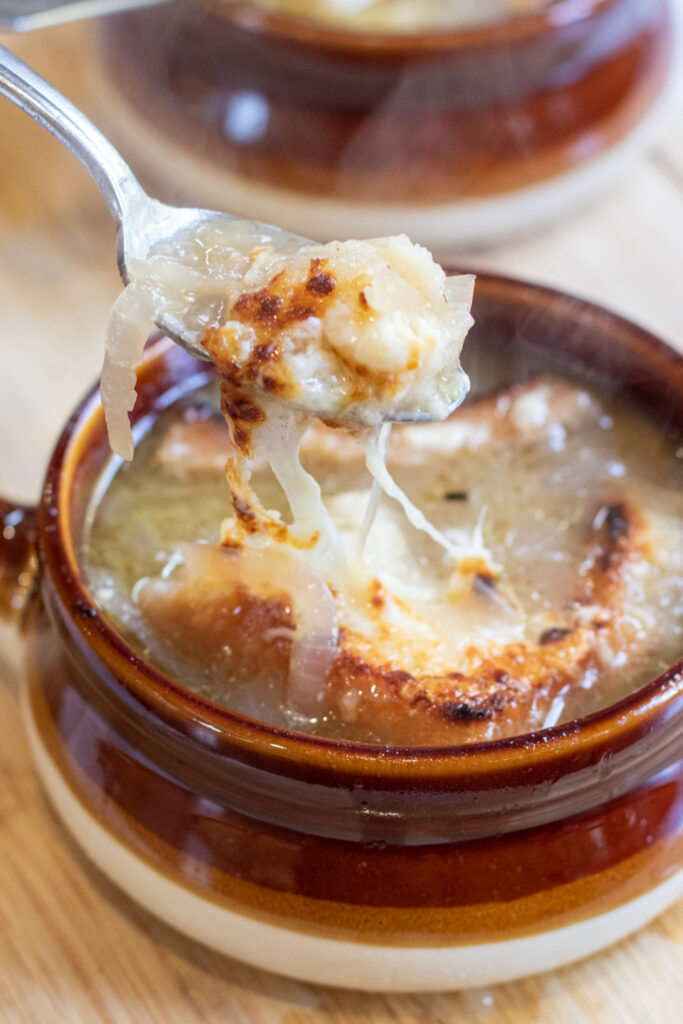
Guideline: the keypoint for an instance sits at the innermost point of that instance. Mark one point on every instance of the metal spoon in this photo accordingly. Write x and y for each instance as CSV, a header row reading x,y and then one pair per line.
x,y
142,222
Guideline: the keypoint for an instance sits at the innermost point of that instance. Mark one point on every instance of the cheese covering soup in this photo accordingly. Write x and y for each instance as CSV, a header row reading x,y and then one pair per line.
x,y
554,584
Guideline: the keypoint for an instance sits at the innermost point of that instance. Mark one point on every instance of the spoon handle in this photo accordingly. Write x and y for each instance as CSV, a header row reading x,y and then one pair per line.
x,y
21,16
32,94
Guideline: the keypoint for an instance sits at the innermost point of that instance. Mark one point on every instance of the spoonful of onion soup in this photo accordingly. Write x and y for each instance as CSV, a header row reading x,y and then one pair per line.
x,y
355,333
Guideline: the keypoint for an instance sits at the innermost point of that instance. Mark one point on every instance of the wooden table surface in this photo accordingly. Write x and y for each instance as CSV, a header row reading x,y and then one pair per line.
x,y
71,948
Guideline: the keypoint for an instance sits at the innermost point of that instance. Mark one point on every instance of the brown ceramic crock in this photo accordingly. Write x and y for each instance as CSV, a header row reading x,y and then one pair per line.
x,y
341,119
332,861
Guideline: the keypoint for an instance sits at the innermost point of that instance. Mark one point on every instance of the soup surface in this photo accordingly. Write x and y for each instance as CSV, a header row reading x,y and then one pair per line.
x,y
406,15
562,590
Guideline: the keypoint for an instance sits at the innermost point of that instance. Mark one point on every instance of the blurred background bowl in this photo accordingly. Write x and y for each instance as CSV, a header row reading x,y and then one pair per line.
x,y
457,137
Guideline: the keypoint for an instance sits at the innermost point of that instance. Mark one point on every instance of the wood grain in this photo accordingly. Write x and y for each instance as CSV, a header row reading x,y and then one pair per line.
x,y
71,948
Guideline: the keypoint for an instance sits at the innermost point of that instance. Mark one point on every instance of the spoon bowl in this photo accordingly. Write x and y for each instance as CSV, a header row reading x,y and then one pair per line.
x,y
149,222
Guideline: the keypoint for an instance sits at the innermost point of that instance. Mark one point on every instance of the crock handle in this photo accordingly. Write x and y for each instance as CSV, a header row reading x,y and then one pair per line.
x,y
18,559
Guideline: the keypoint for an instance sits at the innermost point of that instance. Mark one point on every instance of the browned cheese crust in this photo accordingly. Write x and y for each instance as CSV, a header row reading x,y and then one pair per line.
x,y
289,299
497,694
497,691
500,692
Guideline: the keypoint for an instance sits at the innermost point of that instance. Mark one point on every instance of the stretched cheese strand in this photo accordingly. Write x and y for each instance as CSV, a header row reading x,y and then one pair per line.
x,y
375,446
278,440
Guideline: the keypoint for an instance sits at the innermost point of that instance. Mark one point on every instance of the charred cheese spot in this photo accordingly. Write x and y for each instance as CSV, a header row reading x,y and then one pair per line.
x,y
553,636
377,595
464,712
484,583
617,522
321,281
258,307
285,300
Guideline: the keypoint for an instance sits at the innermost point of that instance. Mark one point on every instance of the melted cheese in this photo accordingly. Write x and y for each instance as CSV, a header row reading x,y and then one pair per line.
x,y
356,333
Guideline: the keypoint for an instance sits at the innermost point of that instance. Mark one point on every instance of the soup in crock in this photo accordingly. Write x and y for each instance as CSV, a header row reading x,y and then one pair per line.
x,y
549,582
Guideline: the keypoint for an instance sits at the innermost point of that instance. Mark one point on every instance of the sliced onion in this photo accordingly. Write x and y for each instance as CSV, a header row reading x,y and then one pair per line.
x,y
129,325
267,571
315,641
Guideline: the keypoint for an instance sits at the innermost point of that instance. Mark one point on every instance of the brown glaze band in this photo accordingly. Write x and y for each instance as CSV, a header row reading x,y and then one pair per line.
x,y
432,118
496,888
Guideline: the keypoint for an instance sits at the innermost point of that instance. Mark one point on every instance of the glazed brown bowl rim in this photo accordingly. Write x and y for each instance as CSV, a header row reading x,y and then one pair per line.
x,y
250,15
184,710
